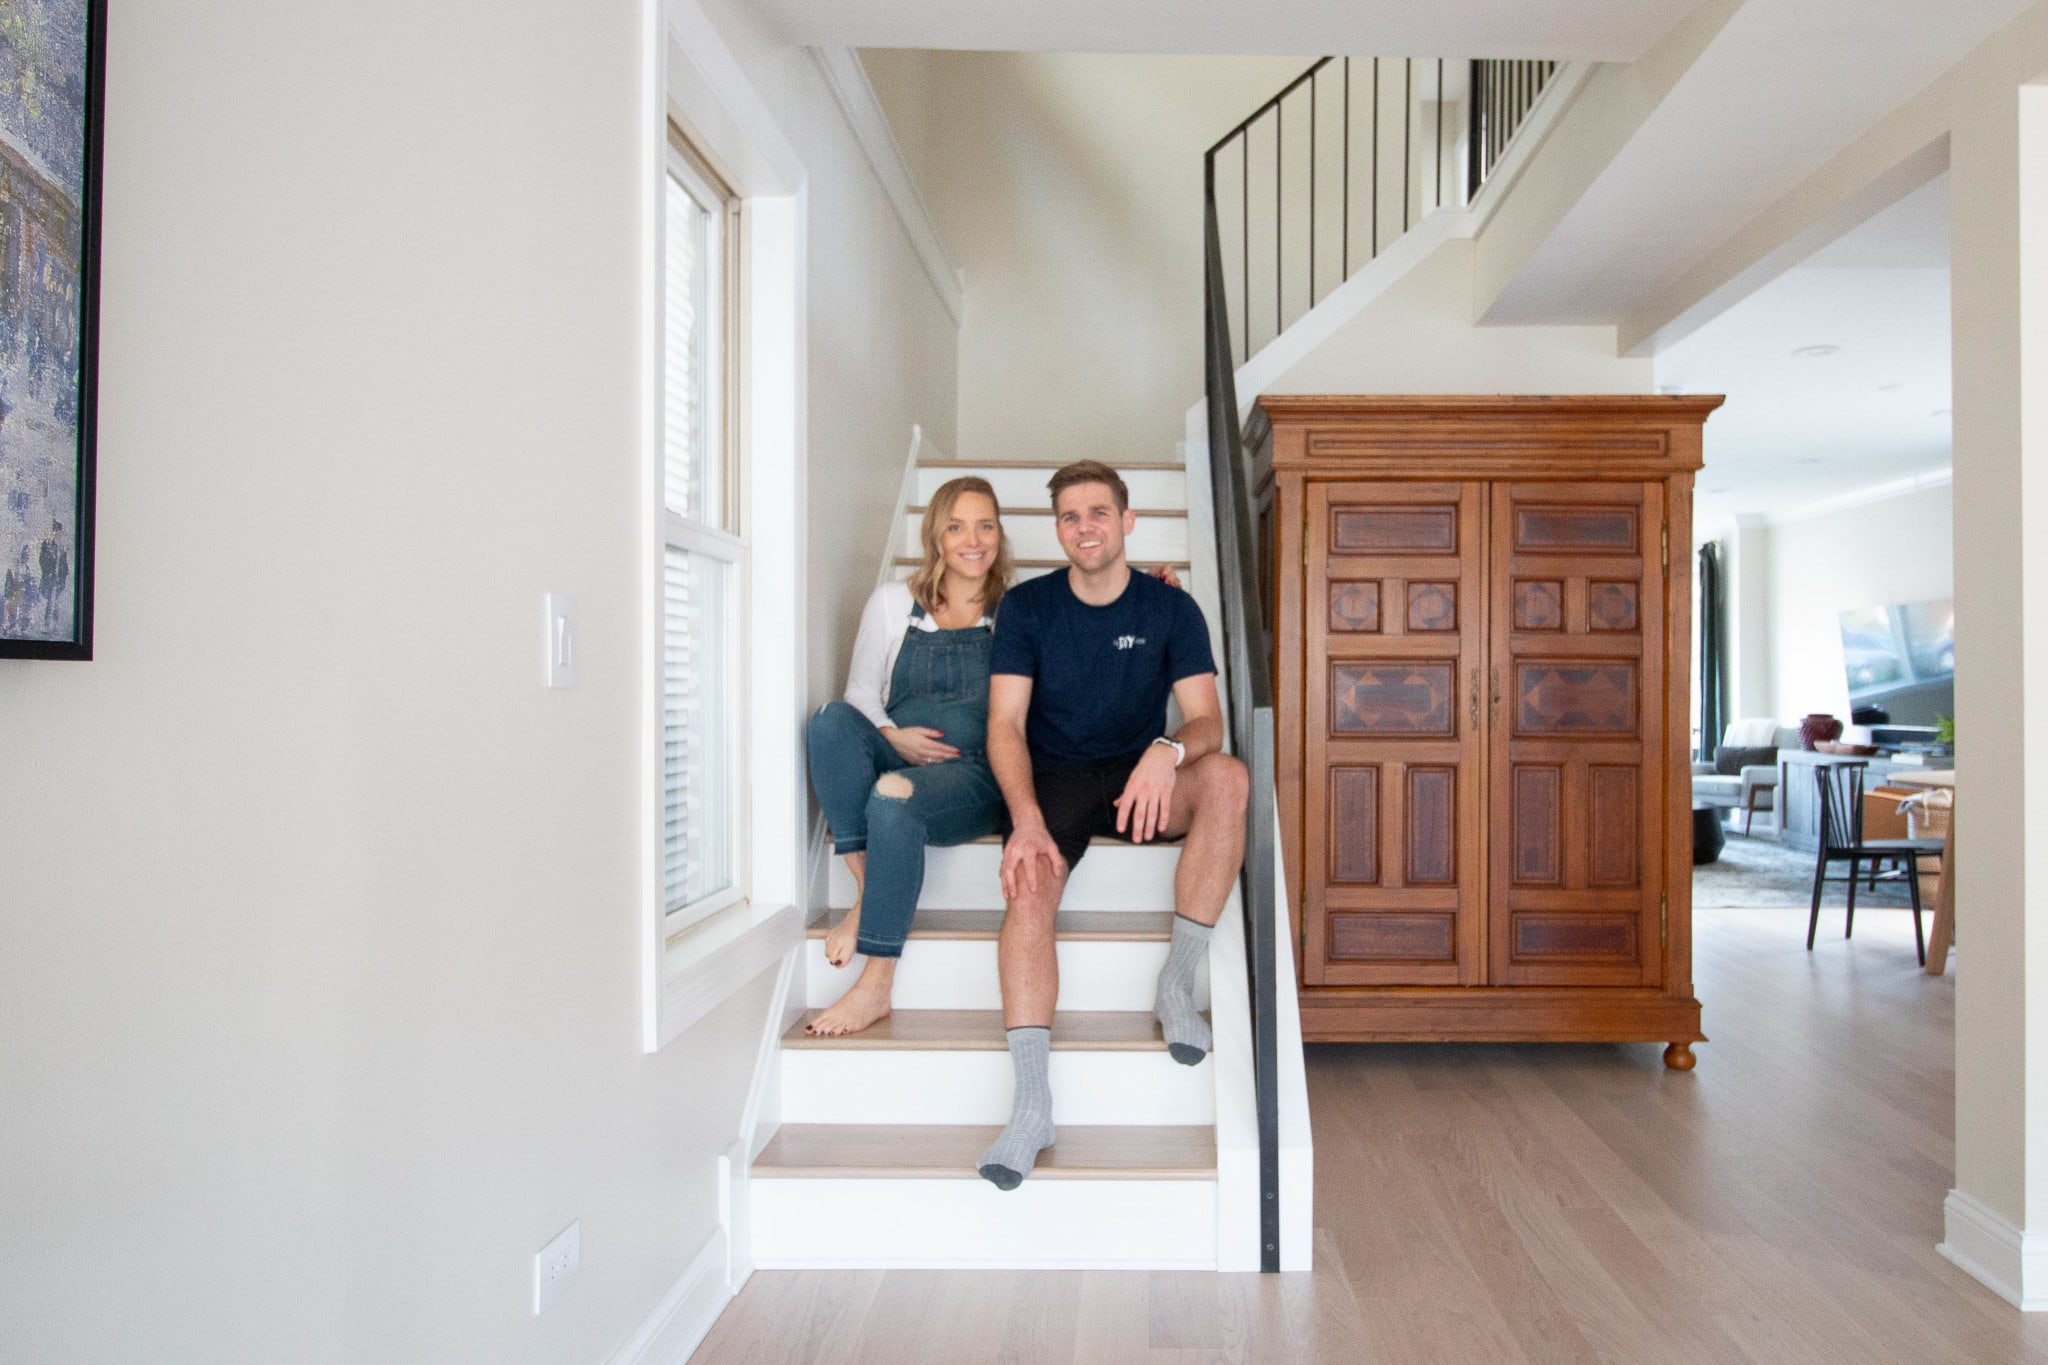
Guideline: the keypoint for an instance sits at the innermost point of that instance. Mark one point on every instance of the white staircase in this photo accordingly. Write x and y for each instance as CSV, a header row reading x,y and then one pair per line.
x,y
873,1163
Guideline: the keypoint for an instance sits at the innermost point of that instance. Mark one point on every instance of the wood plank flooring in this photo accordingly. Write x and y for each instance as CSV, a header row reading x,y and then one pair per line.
x,y
1480,1203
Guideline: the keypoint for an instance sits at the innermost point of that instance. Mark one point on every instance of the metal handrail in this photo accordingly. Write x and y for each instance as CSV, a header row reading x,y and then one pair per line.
x,y
1500,94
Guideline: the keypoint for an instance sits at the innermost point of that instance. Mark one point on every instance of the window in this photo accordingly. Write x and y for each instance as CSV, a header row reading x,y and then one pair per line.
x,y
703,559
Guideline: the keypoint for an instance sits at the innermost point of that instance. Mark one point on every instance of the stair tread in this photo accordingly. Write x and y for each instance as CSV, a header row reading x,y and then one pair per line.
x,y
982,1031
949,1151
1127,926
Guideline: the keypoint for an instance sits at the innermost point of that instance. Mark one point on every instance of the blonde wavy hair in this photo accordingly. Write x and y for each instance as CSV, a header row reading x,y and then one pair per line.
x,y
927,583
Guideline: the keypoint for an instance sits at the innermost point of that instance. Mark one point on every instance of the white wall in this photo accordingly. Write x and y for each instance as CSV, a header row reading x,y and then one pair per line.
x,y
319,921
1068,188
1876,555
1419,337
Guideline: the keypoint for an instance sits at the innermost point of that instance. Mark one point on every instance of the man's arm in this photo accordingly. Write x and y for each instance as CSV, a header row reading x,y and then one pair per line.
x,y
1009,702
1147,798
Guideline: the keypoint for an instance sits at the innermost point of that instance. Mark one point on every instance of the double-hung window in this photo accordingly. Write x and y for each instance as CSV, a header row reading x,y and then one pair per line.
x,y
703,557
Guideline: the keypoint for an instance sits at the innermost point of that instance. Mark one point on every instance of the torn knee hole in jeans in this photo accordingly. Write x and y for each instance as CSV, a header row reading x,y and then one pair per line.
x,y
894,785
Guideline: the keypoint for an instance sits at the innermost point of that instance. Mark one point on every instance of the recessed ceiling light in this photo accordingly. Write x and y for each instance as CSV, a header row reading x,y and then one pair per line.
x,y
1815,352
1717,490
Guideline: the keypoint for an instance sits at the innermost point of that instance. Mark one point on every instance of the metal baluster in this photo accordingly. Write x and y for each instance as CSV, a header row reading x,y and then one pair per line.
x,y
1311,191
1407,133
1345,214
1375,160
1439,132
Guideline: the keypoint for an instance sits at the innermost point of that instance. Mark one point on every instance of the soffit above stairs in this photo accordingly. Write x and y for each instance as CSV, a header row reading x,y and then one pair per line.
x,y
1593,30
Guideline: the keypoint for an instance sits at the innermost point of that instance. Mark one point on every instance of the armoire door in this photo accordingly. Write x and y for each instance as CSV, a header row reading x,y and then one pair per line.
x,y
1576,674
1394,757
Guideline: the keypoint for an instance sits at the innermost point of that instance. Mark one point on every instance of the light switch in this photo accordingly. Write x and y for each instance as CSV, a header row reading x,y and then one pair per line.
x,y
561,639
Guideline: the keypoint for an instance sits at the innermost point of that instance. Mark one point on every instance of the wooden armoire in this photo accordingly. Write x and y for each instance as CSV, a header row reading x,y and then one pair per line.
x,y
1482,638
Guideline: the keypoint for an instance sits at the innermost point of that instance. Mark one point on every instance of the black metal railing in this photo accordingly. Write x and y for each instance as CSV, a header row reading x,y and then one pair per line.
x,y
1331,171
1497,96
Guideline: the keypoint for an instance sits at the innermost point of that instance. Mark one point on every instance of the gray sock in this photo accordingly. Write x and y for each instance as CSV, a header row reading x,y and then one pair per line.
x,y
1187,1032
1005,1164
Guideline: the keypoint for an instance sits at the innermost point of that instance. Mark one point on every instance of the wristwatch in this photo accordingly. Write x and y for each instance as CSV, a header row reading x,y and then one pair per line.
x,y
1180,750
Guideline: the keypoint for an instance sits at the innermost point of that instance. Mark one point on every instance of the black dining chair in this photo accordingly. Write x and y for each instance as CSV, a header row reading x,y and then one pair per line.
x,y
1841,840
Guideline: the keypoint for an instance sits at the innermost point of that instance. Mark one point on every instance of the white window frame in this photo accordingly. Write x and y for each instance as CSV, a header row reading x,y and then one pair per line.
x,y
693,82
712,537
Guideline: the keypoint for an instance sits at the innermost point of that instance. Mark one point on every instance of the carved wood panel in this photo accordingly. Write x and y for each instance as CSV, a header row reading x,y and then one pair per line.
x,y
1577,763
1393,765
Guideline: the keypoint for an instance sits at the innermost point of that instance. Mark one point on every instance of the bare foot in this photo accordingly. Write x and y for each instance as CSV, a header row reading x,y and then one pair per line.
x,y
866,1003
841,942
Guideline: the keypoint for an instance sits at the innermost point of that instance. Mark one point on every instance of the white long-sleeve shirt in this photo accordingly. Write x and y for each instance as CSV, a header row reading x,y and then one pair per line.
x,y
882,623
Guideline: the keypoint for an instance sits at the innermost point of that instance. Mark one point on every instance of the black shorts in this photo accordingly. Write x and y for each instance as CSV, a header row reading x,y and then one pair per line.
x,y
1080,803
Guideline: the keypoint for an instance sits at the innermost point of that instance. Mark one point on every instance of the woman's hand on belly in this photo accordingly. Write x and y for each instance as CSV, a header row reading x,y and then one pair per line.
x,y
919,744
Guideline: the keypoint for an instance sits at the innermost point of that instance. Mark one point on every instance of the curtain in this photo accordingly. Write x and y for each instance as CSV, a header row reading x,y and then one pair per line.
x,y
1713,651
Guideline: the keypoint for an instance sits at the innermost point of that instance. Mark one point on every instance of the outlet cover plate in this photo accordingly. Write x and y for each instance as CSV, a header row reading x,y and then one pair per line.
x,y
554,1266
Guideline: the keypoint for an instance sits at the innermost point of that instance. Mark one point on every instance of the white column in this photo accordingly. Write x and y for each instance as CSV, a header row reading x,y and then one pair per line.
x,y
1748,591
1997,1215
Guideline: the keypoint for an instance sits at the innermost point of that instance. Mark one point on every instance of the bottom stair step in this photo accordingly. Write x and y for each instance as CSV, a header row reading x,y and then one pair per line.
x,y
948,1152
903,1196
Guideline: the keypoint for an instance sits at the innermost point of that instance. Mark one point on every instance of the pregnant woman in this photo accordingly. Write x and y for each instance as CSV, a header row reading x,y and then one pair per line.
x,y
901,764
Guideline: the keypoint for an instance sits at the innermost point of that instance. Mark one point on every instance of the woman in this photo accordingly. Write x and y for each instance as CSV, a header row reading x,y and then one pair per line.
x,y
900,764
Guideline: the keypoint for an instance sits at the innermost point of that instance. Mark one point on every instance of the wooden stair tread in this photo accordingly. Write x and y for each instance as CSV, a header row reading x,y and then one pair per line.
x,y
982,1031
905,1151
1114,926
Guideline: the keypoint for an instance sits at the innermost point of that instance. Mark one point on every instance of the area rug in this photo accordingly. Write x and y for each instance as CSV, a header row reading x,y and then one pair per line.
x,y
1761,873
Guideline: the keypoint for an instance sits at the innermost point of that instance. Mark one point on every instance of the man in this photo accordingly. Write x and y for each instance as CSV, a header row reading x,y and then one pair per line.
x,y
1082,666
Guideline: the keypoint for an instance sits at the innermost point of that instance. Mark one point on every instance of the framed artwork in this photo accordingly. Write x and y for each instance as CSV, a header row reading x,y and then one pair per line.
x,y
52,74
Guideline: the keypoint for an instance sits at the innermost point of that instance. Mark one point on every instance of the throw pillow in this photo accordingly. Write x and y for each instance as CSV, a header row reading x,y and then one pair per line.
x,y
1729,761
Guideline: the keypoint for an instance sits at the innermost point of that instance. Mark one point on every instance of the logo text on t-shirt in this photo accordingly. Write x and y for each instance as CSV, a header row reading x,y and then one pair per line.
x,y
1127,641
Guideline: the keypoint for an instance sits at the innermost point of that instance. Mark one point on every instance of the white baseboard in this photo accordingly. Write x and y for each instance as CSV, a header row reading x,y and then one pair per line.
x,y
1990,1248
680,1322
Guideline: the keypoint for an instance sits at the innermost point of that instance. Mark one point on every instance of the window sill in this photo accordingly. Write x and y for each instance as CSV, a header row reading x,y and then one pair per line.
x,y
703,965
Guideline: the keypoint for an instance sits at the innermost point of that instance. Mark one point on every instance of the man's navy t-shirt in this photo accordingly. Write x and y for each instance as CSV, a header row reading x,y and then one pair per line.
x,y
1100,676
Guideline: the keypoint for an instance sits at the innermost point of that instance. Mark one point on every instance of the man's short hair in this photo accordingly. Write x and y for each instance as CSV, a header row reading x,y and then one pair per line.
x,y
1089,471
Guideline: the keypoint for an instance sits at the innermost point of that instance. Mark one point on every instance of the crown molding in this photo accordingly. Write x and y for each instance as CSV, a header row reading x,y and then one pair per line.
x,y
850,86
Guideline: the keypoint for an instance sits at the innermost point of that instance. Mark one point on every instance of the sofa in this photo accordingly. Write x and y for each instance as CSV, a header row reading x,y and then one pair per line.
x,y
1744,773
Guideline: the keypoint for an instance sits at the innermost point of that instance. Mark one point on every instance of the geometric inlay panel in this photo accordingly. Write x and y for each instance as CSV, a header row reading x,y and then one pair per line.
x,y
1389,530
1537,833
1432,829
1354,607
1595,936
1611,606
1613,826
1355,824
1390,699
1539,604
1426,938
1432,606
1599,529
1575,698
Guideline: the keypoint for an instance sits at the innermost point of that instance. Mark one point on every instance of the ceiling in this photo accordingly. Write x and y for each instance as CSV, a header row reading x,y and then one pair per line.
x,y
1595,30
1781,87
1800,430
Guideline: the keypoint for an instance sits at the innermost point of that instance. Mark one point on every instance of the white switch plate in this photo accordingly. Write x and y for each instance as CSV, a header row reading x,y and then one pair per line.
x,y
554,1265
561,639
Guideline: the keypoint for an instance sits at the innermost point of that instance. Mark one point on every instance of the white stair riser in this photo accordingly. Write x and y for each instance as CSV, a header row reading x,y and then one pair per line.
x,y
969,877
845,1085
1155,540
1024,489
960,974
958,1224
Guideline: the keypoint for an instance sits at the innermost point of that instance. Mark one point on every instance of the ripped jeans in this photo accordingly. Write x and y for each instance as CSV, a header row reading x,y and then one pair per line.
x,y
875,801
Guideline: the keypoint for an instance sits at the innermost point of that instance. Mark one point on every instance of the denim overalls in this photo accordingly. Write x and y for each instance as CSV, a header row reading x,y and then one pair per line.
x,y
940,681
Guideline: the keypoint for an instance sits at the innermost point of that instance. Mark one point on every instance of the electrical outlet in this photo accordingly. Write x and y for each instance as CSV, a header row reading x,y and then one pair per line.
x,y
554,1265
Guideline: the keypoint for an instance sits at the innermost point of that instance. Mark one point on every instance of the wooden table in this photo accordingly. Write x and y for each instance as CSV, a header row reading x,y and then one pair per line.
x,y
1944,931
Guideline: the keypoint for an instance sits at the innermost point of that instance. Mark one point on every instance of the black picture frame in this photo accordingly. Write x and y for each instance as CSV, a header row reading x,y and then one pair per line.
x,y
34,598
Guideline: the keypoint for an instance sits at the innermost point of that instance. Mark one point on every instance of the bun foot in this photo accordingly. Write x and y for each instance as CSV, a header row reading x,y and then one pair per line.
x,y
1679,1057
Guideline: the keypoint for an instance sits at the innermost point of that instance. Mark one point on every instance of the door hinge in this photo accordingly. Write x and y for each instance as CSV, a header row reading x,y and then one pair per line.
x,y
1664,538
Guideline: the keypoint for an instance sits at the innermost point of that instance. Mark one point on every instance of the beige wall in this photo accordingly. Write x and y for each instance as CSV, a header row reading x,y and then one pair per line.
x,y
1419,337
1876,555
1068,188
319,919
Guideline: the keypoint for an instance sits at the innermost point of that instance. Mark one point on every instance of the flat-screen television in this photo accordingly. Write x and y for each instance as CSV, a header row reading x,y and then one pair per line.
x,y
1902,660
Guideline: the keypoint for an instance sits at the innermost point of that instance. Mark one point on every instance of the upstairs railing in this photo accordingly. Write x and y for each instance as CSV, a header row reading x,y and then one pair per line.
x,y
1496,96
1330,172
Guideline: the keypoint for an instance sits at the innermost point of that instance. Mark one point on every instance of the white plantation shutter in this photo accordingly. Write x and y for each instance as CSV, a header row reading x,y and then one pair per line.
x,y
701,563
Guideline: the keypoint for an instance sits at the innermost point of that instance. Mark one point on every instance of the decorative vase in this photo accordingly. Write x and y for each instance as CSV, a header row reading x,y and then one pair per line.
x,y
1818,728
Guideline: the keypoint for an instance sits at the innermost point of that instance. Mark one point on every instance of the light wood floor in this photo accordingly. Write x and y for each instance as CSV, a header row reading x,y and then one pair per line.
x,y
1484,1203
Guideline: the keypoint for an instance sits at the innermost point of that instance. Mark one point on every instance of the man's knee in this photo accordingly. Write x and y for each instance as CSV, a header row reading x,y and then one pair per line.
x,y
1226,784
